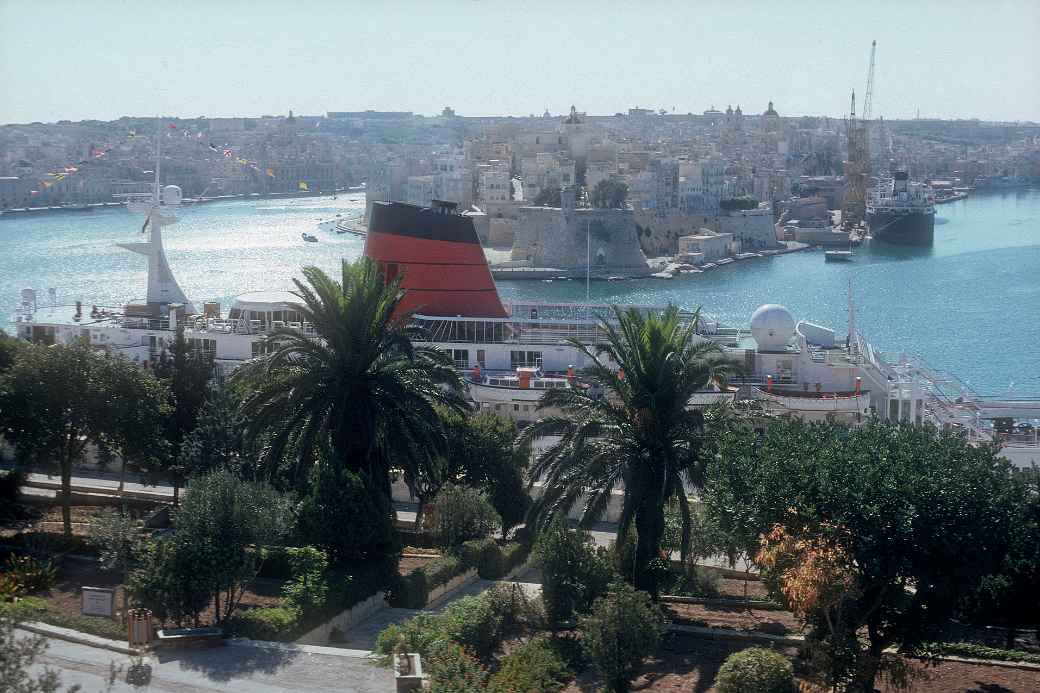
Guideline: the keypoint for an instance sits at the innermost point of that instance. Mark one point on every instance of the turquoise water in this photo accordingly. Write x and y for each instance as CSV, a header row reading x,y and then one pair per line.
x,y
970,305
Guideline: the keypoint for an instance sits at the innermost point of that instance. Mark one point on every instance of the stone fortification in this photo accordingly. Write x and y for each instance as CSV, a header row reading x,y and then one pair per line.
x,y
754,228
659,234
554,237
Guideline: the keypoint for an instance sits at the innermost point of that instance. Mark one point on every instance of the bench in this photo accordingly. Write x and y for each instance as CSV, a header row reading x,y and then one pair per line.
x,y
182,638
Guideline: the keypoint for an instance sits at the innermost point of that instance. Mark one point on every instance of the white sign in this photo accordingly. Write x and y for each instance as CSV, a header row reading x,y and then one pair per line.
x,y
98,601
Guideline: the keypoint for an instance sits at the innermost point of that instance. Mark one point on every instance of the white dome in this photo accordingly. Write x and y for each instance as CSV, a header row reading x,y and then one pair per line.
x,y
772,326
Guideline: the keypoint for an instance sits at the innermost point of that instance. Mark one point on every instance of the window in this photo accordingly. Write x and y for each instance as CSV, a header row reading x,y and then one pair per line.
x,y
481,358
460,357
527,359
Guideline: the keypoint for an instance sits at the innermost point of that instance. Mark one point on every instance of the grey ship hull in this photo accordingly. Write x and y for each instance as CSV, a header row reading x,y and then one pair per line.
x,y
909,228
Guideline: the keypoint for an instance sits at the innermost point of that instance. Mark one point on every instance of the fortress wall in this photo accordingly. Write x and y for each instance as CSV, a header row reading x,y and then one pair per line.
x,y
554,237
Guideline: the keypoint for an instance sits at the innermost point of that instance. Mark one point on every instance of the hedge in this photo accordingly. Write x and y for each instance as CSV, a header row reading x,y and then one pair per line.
x,y
492,561
973,651
412,591
37,609
267,623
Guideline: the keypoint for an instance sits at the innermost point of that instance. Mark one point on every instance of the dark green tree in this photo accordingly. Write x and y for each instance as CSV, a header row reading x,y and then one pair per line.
x,y
642,434
185,371
911,517
623,627
213,553
480,453
217,441
9,349
610,194
58,400
362,390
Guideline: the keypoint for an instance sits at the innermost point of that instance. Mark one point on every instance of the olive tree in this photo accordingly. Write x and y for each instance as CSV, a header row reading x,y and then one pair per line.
x,y
55,401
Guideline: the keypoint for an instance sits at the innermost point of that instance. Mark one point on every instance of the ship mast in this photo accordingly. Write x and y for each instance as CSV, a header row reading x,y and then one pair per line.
x,y
163,288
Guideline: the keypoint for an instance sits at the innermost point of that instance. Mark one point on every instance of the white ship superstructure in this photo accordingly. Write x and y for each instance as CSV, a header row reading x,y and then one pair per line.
x,y
512,353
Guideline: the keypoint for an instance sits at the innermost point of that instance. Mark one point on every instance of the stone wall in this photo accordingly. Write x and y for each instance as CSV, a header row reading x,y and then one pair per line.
x,y
753,228
659,233
554,237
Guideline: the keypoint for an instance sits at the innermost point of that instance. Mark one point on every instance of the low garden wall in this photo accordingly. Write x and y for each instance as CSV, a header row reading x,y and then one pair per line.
x,y
345,620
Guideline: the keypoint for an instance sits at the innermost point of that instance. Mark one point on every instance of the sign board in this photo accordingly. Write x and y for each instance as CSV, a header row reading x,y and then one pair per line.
x,y
98,601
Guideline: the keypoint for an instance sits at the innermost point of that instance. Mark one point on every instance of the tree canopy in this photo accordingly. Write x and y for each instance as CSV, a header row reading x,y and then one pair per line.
x,y
610,194
57,400
642,435
882,528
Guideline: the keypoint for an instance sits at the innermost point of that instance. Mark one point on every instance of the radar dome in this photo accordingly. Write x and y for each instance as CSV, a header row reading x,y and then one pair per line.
x,y
171,195
772,326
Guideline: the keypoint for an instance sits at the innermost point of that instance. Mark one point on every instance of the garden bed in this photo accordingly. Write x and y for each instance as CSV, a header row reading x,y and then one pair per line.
x,y
735,618
690,664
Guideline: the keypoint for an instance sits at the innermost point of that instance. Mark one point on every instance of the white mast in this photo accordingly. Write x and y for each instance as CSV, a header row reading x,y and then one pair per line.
x,y
588,258
163,288
853,342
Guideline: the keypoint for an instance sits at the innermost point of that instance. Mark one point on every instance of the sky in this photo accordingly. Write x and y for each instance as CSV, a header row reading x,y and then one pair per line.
x,y
102,59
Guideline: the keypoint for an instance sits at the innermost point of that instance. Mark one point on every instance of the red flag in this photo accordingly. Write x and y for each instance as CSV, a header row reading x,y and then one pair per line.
x,y
173,126
227,153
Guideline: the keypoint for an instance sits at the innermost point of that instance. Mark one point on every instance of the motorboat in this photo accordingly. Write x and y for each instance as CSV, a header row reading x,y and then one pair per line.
x,y
309,238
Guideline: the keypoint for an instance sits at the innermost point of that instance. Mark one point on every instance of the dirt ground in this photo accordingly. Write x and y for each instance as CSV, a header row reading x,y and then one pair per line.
x,y
74,574
690,666
410,563
733,587
758,620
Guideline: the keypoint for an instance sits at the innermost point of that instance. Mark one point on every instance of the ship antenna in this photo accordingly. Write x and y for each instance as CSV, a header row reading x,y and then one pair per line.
x,y
852,319
588,257
158,159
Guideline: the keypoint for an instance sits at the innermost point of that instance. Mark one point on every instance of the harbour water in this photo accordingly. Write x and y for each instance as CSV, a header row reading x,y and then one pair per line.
x,y
970,305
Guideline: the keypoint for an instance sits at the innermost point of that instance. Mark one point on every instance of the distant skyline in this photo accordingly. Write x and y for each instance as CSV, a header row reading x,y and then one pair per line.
x,y
105,59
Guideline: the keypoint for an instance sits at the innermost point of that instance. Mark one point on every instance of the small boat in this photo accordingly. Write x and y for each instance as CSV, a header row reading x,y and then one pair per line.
x,y
724,261
345,226
309,238
837,256
708,265
330,224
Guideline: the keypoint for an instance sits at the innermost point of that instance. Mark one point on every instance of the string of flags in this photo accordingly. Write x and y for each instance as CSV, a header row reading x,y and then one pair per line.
x,y
100,152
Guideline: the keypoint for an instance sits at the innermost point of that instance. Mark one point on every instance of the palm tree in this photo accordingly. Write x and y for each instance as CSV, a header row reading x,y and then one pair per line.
x,y
360,390
642,435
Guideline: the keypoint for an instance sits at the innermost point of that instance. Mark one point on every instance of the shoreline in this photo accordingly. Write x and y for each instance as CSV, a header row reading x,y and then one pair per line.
x,y
22,212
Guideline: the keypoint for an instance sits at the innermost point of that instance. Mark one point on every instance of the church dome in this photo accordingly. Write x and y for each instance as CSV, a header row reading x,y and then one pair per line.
x,y
771,111
772,326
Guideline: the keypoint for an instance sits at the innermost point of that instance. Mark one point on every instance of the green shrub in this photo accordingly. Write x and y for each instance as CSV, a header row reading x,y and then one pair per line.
x,y
30,573
418,634
475,624
966,649
266,623
515,554
460,513
623,627
518,612
308,590
453,670
755,670
535,667
694,582
574,573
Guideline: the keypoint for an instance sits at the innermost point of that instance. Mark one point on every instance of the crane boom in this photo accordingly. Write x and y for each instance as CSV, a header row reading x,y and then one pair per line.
x,y
869,97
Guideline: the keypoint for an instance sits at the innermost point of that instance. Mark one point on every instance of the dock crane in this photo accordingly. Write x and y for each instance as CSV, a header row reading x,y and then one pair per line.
x,y
857,166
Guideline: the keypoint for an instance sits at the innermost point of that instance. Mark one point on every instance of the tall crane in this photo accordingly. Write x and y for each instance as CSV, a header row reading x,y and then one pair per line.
x,y
857,165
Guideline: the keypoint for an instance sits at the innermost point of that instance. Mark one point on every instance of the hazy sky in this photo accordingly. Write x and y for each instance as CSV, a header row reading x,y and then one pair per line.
x,y
103,59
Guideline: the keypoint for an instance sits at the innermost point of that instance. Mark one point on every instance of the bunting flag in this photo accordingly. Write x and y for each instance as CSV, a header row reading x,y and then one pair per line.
x,y
270,173
131,135
173,126
71,169
303,186
242,161
227,153
46,183
34,193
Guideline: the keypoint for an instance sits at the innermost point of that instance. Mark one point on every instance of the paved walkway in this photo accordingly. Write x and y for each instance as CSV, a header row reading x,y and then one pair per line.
x,y
237,667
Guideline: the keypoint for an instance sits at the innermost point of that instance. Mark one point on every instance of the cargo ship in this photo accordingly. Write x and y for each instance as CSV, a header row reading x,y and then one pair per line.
x,y
901,212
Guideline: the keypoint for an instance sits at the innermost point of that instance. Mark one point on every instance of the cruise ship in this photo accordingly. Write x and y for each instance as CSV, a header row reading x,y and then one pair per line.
x,y
511,353
900,211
